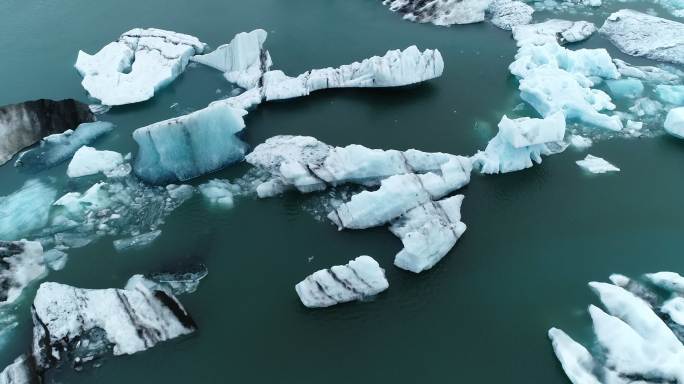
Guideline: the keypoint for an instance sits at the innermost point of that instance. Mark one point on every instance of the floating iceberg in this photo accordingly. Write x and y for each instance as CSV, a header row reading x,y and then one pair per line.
x,y
136,242
440,12
84,324
671,94
24,124
243,61
639,34
89,161
219,192
21,262
189,146
60,147
133,68
553,31
25,211
595,164
359,279
520,142
674,123
507,14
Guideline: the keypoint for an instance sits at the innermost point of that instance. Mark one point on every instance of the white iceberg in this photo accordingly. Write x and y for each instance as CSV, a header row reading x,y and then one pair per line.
x,y
243,61
21,263
596,164
359,279
89,161
133,68
188,146
440,12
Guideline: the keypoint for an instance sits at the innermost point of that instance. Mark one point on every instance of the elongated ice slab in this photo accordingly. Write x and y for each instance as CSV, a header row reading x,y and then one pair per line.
x,y
359,279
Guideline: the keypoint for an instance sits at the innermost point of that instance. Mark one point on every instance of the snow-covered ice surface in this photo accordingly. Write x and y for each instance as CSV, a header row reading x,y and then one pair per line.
x,y
638,334
21,262
639,34
57,148
24,124
596,164
83,324
674,123
359,279
89,161
440,12
243,61
138,64
188,146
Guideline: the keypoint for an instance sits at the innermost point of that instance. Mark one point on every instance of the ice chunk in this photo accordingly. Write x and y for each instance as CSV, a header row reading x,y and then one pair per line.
x,y
577,362
84,323
625,88
440,12
136,242
359,279
21,262
243,61
219,192
553,31
24,124
428,232
521,141
595,164
639,34
672,94
507,14
189,146
21,371
133,68
57,148
89,161
25,211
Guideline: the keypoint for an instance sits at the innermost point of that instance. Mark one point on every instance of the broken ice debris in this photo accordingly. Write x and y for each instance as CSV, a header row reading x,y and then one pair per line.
x,y
674,123
242,61
639,34
188,146
84,324
24,124
357,280
133,68
595,164
21,262
89,161
60,147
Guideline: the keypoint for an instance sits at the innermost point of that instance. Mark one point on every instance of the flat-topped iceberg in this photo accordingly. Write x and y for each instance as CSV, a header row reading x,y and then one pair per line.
x,y
440,12
243,61
89,161
596,164
60,147
138,64
26,211
24,124
359,279
84,324
520,142
507,14
21,262
188,146
639,34
553,31
674,123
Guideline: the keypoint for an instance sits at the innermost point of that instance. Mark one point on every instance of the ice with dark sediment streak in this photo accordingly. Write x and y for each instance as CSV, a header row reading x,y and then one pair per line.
x,y
60,147
24,124
440,12
243,61
357,280
138,64
188,146
27,210
639,34
638,334
21,263
83,324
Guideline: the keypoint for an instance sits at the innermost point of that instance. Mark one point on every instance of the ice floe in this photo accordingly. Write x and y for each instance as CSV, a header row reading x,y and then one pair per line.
x,y
359,279
24,124
138,64
89,161
21,262
243,61
440,12
188,146
639,34
596,164
674,123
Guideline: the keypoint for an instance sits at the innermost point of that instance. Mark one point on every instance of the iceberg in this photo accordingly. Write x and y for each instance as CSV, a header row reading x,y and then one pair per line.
x,y
21,263
639,34
136,242
243,61
89,161
60,147
85,324
219,192
440,12
506,14
595,164
357,280
138,64
553,31
674,122
189,146
25,211
520,142
24,124
671,94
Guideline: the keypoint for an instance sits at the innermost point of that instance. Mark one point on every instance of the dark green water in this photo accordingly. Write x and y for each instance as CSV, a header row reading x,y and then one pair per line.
x,y
534,238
